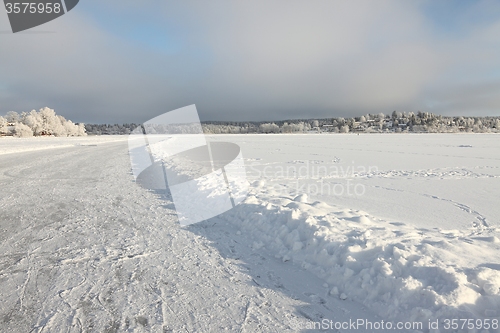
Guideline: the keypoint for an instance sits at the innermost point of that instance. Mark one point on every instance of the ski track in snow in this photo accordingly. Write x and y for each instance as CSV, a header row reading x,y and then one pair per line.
x,y
480,225
87,250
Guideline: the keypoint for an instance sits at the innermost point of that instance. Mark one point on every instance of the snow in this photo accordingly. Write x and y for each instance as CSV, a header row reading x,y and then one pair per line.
x,y
420,236
414,236
10,144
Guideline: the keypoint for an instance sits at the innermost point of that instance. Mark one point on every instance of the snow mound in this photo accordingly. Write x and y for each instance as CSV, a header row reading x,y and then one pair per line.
x,y
489,280
301,198
397,270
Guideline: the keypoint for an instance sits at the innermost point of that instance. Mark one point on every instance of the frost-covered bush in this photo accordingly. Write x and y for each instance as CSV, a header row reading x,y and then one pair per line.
x,y
22,131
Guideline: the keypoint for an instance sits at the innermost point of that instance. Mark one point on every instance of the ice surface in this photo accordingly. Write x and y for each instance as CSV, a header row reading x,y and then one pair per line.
x,y
85,248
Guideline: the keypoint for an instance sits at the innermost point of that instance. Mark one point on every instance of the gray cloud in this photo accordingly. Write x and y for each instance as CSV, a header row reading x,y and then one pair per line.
x,y
257,60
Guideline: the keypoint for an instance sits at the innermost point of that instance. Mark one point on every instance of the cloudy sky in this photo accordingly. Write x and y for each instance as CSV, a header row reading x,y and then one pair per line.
x,y
124,61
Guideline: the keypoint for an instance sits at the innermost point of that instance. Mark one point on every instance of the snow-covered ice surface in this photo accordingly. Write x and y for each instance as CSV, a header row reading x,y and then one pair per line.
x,y
10,144
406,225
337,227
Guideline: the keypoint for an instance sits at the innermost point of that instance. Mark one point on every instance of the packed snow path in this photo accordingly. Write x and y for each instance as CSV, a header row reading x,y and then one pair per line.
x,y
84,249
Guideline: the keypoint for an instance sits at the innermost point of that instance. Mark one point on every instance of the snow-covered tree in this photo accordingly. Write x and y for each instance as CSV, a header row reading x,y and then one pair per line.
x,y
81,130
469,122
3,125
34,121
43,122
21,130
53,124
12,117
286,128
269,128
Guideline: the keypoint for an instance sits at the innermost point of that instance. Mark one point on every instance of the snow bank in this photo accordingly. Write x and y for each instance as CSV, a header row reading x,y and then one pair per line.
x,y
397,270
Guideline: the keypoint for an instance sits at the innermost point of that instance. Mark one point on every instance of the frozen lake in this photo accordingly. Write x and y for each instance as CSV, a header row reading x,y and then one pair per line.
x,y
388,227
428,180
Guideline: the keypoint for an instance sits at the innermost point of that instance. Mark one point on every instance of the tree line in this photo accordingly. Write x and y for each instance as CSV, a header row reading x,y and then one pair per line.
x,y
46,122
420,122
